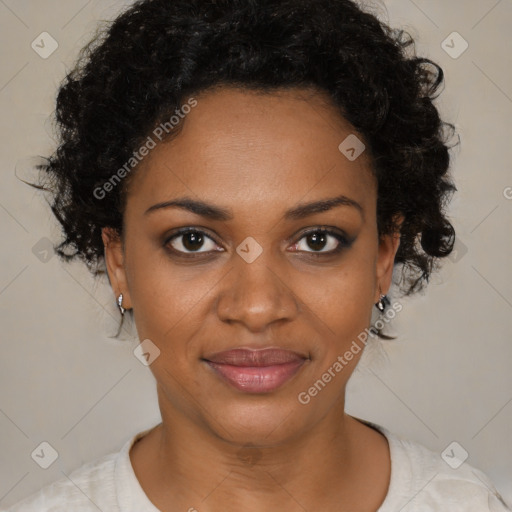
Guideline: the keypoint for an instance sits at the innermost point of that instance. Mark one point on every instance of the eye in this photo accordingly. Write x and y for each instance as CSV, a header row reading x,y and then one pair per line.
x,y
320,238
190,241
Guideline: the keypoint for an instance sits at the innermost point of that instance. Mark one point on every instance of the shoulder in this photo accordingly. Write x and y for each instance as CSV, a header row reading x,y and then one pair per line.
x,y
89,488
431,481
422,479
444,479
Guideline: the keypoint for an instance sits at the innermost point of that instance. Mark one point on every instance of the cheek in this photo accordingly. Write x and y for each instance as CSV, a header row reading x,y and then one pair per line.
x,y
341,307
344,295
165,305
174,307
162,294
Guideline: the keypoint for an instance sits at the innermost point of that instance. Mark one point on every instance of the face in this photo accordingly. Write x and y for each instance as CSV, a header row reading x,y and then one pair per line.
x,y
259,266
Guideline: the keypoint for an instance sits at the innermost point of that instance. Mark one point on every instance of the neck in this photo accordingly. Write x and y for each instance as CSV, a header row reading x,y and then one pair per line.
x,y
182,465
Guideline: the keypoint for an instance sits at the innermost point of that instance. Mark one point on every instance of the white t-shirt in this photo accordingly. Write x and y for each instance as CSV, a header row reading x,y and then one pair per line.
x,y
421,481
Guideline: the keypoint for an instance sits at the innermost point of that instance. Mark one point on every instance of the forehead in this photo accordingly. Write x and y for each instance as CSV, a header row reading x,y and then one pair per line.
x,y
255,151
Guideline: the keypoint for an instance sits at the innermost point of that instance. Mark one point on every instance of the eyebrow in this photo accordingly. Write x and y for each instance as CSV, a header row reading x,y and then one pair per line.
x,y
218,213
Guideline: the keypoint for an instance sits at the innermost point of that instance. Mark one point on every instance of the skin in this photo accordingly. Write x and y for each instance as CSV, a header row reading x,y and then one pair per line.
x,y
217,448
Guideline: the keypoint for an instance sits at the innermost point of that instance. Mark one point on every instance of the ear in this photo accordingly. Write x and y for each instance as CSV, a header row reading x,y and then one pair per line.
x,y
388,247
114,260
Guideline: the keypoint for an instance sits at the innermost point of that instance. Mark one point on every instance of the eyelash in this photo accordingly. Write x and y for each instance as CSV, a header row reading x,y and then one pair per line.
x,y
344,243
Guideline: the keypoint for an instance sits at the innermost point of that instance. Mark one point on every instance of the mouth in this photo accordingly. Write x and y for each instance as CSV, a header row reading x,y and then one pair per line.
x,y
256,371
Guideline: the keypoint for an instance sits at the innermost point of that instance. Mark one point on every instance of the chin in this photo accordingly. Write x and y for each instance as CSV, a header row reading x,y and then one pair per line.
x,y
258,423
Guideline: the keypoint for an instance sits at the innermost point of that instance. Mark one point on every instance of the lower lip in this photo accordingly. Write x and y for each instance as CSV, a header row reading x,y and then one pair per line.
x,y
261,379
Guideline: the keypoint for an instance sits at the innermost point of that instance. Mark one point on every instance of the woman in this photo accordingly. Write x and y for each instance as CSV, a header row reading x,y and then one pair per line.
x,y
252,172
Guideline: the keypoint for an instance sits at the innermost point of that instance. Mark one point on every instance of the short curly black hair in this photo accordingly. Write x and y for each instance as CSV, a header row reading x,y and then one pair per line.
x,y
139,70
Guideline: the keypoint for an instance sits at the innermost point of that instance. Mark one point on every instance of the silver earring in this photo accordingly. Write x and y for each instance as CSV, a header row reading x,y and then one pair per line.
x,y
119,304
383,299
381,306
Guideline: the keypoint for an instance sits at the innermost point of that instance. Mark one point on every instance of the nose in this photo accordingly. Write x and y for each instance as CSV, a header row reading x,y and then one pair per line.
x,y
257,294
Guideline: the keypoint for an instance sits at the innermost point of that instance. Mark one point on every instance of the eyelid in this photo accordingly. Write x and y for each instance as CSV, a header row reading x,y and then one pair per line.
x,y
321,228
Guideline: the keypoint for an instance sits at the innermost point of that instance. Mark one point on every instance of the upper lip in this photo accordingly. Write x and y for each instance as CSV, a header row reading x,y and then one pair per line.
x,y
252,357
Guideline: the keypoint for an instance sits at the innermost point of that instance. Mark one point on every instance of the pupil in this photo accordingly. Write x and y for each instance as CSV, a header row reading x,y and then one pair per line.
x,y
318,238
192,238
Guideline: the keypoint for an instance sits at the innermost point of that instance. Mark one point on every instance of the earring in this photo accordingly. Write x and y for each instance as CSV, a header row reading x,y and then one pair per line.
x,y
119,304
381,305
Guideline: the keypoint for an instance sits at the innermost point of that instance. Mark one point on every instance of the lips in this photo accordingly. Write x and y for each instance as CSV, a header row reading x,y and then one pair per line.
x,y
256,371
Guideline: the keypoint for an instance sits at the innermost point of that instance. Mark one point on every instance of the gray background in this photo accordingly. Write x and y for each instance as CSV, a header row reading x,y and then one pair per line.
x,y
447,376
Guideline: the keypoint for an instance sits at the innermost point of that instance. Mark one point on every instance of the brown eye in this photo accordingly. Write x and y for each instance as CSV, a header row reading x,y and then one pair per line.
x,y
191,241
320,239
